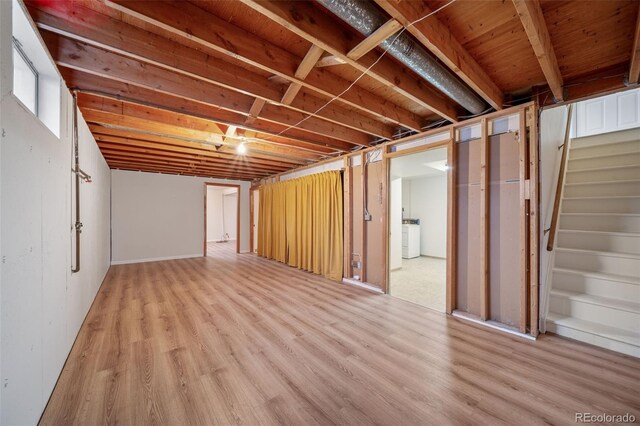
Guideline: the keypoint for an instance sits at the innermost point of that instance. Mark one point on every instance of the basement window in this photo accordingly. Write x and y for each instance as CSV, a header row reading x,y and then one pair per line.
x,y
25,78
36,82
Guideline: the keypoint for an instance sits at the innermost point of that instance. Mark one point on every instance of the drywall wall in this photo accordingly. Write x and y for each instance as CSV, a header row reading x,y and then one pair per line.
x,y
157,216
222,212
429,204
395,223
406,199
230,210
42,303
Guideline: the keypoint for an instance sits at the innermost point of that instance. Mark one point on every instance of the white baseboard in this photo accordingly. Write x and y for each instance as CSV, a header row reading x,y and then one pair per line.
x,y
366,286
491,324
154,259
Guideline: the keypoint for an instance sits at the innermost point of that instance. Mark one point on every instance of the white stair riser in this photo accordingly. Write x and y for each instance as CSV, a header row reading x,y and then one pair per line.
x,y
600,223
594,313
602,189
596,286
593,339
601,205
577,151
622,173
616,243
597,262
604,161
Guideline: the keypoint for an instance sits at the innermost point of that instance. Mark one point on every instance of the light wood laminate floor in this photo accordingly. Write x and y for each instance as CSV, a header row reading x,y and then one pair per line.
x,y
236,339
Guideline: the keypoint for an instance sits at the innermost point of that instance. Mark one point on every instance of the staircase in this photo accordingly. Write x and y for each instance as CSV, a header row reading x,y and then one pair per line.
x,y
595,289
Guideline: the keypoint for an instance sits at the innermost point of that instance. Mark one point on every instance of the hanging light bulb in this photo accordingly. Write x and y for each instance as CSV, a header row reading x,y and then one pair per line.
x,y
241,148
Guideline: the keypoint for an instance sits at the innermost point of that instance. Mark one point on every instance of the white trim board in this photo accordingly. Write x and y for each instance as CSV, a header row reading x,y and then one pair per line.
x,y
360,284
154,259
490,324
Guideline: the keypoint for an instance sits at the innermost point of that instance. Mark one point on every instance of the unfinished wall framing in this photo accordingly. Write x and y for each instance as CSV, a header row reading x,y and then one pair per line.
x,y
492,231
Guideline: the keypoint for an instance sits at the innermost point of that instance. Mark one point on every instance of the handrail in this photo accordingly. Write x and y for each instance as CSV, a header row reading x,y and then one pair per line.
x,y
563,164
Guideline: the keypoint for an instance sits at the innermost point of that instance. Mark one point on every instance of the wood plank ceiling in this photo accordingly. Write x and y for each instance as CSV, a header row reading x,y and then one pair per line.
x,y
176,87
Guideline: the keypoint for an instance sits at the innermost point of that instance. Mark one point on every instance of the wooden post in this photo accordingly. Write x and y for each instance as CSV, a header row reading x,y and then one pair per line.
x,y
348,217
524,223
484,222
385,221
534,219
452,221
363,234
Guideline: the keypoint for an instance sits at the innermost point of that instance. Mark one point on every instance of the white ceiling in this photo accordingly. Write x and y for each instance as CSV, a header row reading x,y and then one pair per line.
x,y
418,165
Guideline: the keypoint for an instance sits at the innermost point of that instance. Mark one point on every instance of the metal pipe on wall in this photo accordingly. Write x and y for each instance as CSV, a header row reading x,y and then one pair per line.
x,y
79,175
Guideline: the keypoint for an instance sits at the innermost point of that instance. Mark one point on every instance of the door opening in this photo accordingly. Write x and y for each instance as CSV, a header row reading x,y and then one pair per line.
x,y
221,219
418,206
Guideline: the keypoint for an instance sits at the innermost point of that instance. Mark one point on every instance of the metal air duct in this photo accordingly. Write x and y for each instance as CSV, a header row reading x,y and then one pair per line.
x,y
366,18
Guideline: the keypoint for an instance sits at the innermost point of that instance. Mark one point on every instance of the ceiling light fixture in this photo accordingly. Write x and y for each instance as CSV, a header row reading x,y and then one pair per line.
x,y
241,148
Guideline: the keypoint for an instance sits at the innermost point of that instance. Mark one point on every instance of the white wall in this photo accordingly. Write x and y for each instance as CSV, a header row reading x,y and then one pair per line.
x,y
156,216
395,226
406,199
429,204
43,304
230,209
222,212
611,113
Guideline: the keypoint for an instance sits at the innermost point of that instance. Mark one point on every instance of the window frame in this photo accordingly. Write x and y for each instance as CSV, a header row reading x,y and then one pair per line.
x,y
18,48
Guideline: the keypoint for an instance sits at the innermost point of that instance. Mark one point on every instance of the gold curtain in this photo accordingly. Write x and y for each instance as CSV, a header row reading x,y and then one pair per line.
x,y
300,223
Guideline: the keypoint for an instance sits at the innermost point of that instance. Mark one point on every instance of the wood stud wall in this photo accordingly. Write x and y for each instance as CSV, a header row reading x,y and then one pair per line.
x,y
358,237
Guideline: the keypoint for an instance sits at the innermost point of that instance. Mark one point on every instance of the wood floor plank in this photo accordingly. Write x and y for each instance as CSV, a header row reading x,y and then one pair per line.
x,y
236,339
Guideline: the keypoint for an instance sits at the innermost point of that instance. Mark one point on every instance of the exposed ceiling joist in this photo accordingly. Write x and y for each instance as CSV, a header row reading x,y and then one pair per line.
x,y
97,61
436,37
110,144
173,122
378,36
532,18
188,21
174,145
303,19
122,91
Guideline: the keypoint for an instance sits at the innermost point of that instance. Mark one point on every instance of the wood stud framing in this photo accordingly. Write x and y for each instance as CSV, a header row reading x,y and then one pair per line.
x,y
484,221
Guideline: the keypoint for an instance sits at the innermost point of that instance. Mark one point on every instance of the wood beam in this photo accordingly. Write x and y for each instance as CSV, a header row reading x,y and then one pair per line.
x,y
87,58
187,164
156,128
132,149
634,69
436,37
371,42
308,62
329,61
119,165
174,146
186,20
305,20
305,67
111,89
532,18
124,39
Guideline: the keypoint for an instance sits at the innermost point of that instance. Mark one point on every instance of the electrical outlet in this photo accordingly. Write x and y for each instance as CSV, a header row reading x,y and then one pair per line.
x,y
355,264
367,216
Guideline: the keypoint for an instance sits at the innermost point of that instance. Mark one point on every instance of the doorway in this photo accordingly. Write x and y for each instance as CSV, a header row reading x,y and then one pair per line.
x,y
418,221
221,219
